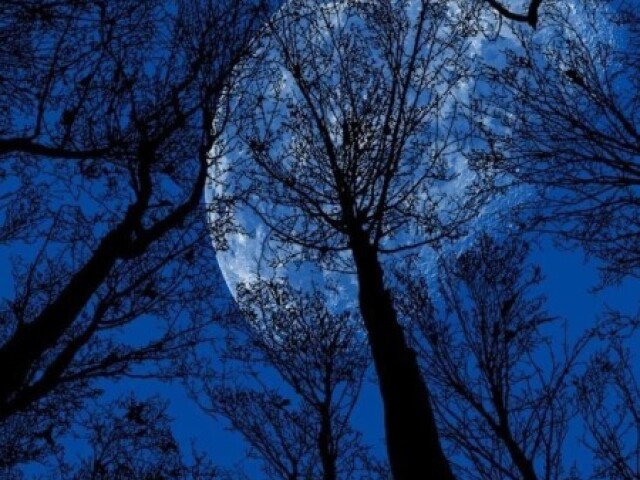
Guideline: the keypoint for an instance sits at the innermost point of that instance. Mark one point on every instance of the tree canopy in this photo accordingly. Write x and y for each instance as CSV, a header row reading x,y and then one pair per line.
x,y
376,178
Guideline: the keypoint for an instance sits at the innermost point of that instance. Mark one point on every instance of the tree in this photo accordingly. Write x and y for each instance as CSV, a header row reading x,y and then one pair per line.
x,y
300,429
501,385
105,128
565,109
30,438
608,393
129,438
345,143
565,113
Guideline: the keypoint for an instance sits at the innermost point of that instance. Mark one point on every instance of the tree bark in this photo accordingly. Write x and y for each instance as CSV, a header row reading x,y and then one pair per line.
x,y
413,444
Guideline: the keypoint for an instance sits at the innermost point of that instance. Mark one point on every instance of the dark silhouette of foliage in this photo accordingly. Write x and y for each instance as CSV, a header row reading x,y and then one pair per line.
x,y
32,437
106,113
564,112
565,109
292,373
113,114
501,385
372,117
131,439
608,393
128,438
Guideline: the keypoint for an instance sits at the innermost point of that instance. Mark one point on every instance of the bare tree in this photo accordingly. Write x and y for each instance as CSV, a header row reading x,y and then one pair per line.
x,y
300,429
565,109
501,386
131,438
345,141
106,112
608,394
32,437
125,437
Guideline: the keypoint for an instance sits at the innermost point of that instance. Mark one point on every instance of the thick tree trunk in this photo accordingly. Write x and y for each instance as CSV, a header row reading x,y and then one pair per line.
x,y
413,444
327,456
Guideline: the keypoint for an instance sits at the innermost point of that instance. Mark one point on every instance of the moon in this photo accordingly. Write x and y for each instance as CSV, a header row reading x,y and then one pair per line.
x,y
247,249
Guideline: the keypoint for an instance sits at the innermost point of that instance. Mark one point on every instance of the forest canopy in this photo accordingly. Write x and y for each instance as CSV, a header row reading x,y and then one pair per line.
x,y
292,213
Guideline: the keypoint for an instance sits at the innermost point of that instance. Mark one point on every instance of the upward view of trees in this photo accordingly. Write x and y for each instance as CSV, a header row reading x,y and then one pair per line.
x,y
358,152
105,131
349,129
302,430
568,101
501,386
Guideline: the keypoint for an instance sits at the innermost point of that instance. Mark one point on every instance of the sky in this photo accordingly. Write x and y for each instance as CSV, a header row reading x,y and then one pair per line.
x,y
569,280
568,284
570,277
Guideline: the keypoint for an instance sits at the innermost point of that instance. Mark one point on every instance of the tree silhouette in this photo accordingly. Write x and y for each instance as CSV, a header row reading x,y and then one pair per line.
x,y
531,16
502,387
105,128
565,109
301,428
341,136
131,438
344,142
608,394
31,437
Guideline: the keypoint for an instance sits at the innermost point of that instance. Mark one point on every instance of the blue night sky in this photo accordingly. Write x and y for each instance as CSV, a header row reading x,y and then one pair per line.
x,y
569,285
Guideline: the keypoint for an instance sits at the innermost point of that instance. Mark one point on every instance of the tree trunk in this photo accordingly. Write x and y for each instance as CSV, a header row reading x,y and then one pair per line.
x,y
519,458
327,456
25,347
412,438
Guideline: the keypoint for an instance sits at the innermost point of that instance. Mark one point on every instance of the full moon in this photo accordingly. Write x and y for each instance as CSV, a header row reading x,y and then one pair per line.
x,y
260,235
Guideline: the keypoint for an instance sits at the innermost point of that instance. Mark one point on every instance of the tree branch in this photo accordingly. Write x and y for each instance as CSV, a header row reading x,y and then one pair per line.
x,y
531,17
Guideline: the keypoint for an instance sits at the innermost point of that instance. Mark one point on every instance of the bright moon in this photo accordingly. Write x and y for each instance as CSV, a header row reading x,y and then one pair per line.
x,y
259,112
